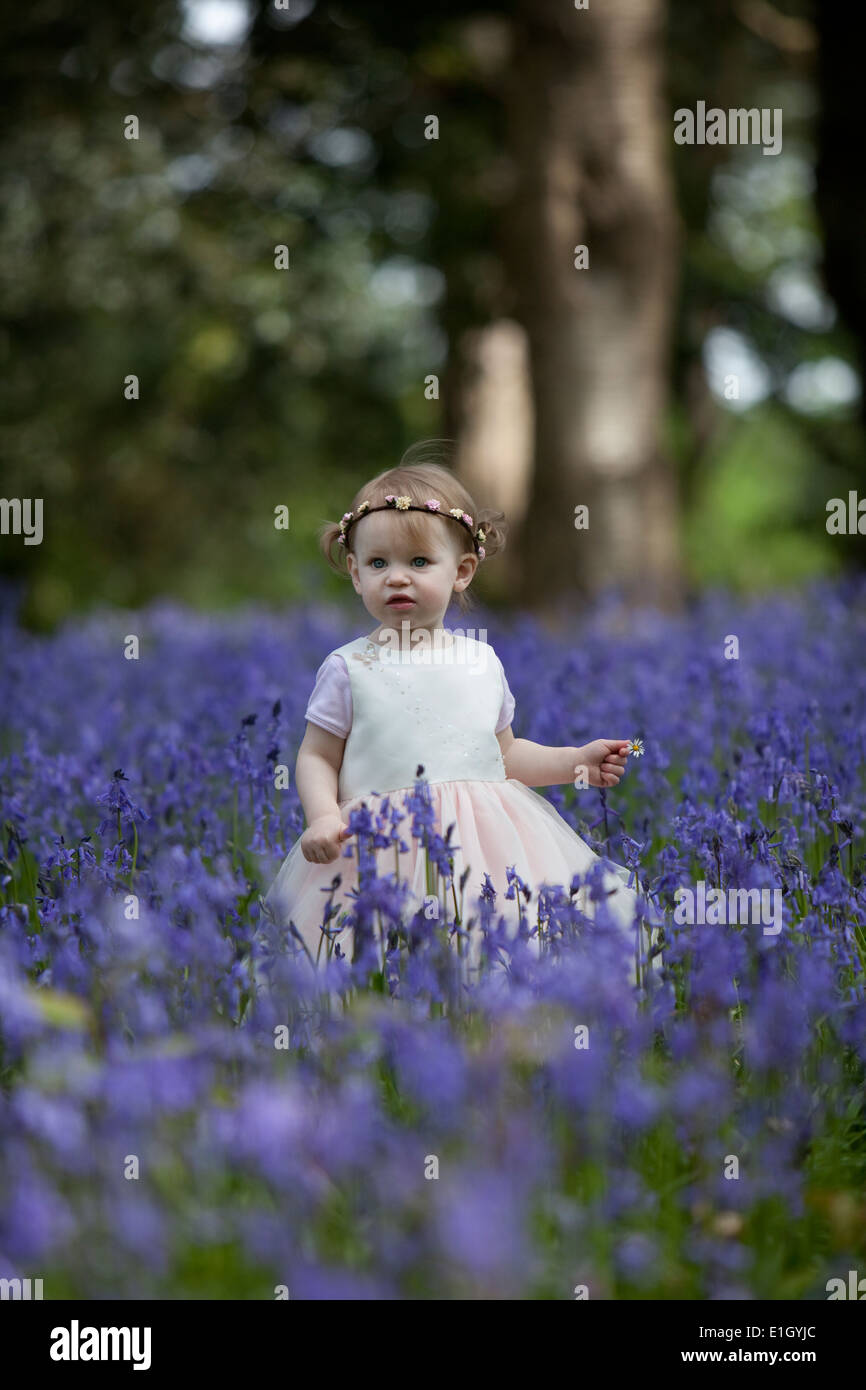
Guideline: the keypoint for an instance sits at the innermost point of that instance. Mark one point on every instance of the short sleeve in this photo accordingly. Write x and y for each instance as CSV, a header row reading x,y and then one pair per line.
x,y
506,711
330,705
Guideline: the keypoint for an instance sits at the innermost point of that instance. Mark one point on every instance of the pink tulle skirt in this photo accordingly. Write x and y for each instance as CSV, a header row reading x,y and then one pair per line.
x,y
497,825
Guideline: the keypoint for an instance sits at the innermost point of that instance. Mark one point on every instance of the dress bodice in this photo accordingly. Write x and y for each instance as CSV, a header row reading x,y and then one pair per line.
x,y
437,706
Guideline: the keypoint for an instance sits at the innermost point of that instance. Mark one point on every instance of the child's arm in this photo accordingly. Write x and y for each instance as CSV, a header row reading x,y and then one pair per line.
x,y
538,766
317,772
317,778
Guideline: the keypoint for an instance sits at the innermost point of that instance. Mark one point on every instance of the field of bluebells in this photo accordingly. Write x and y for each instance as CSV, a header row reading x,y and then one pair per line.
x,y
182,1116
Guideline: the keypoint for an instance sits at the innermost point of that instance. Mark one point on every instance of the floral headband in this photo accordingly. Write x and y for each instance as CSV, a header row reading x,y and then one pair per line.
x,y
405,504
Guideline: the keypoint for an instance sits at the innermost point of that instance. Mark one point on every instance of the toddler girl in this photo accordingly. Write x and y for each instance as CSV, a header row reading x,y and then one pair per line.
x,y
412,693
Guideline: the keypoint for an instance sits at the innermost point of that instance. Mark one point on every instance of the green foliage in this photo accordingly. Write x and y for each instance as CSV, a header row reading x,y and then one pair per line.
x,y
756,519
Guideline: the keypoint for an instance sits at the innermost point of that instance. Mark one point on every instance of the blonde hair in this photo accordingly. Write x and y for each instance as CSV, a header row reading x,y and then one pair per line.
x,y
419,479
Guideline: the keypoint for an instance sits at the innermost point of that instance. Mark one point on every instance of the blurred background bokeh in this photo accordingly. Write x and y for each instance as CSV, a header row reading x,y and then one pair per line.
x,y
429,171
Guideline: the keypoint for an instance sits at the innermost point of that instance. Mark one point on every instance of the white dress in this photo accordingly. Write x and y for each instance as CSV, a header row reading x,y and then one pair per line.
x,y
437,708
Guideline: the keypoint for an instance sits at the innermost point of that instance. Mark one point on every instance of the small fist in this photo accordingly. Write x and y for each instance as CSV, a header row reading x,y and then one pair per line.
x,y
604,761
323,839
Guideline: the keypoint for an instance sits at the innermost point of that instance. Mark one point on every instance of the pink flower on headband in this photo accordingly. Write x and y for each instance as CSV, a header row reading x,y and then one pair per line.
x,y
403,503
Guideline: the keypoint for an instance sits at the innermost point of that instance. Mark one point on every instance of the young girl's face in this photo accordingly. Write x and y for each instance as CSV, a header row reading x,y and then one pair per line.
x,y
400,581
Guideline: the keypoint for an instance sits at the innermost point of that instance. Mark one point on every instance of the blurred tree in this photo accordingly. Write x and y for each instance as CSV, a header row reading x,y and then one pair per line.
x,y
840,196
593,248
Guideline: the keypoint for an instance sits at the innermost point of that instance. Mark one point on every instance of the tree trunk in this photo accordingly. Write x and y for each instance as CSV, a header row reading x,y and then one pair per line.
x,y
840,199
494,429
590,135
839,195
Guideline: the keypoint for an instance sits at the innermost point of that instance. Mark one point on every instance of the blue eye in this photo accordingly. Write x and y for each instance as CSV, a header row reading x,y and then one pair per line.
x,y
377,560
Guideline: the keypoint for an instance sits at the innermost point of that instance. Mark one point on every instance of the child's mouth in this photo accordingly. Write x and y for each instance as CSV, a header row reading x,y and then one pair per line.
x,y
401,602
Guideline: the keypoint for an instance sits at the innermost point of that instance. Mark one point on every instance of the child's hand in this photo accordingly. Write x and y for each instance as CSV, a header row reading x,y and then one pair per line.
x,y
323,839
604,760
